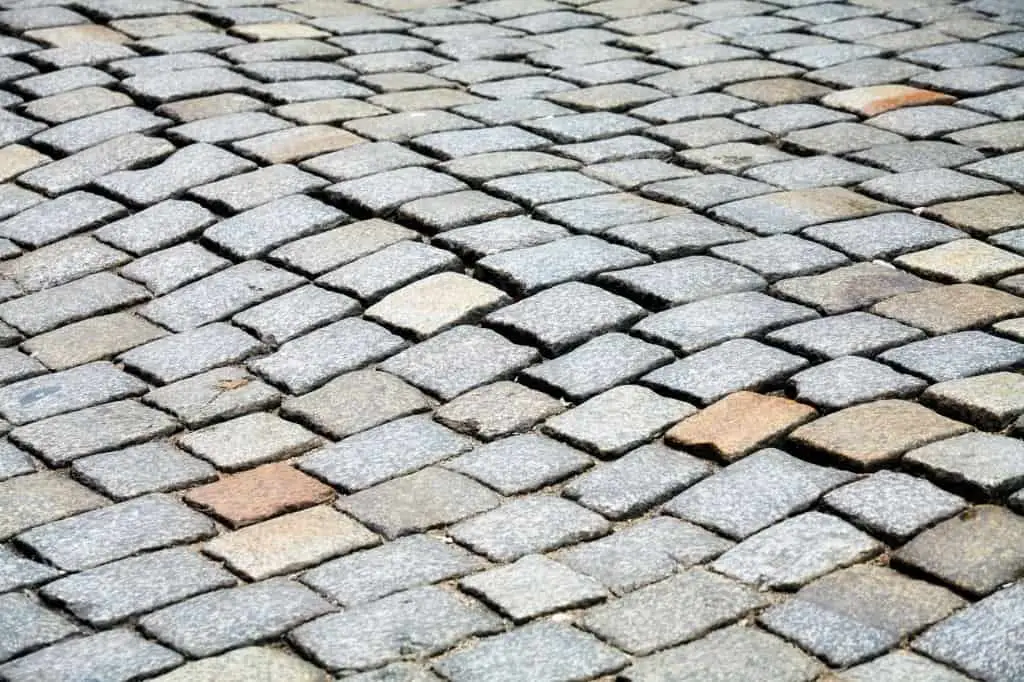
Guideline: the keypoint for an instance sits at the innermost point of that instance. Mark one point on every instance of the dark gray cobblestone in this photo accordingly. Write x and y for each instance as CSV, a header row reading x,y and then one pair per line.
x,y
451,303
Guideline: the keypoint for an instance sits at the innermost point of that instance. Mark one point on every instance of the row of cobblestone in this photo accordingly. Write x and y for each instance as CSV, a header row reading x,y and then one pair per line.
x,y
486,341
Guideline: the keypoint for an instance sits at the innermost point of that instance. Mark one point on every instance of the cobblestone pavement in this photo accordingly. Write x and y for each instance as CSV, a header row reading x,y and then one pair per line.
x,y
540,340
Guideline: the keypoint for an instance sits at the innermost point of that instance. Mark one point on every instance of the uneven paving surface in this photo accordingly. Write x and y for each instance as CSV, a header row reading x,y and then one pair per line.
x,y
532,340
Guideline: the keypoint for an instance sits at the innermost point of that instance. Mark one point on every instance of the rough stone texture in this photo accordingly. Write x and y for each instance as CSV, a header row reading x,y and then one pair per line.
x,y
405,563
893,505
29,626
739,424
797,551
60,439
958,552
734,501
681,608
983,463
872,607
212,623
848,381
147,468
562,317
943,310
423,621
694,326
738,365
867,436
436,303
247,441
497,410
458,360
989,401
259,494
29,501
214,396
544,650
392,449
978,640
617,420
251,664
956,356
417,502
112,655
533,586
291,542
738,652
309,361
452,269
528,526
901,666
355,402
114,532
111,593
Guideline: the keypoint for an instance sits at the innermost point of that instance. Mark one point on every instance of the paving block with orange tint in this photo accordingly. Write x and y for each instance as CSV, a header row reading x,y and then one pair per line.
x,y
739,424
875,434
878,99
259,494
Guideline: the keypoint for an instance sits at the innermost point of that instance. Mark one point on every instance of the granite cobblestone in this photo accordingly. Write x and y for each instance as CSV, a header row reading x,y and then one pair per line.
x,y
511,340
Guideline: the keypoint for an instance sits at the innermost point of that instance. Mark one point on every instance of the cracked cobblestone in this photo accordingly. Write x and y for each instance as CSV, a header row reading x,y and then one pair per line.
x,y
511,340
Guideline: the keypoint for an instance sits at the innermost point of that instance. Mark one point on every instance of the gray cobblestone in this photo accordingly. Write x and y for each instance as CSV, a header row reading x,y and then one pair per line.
x,y
153,467
541,650
421,621
739,650
179,356
850,380
115,532
17,571
213,396
257,231
73,389
249,440
405,563
856,613
955,356
975,640
712,502
79,170
624,204
302,364
681,608
797,551
459,360
116,655
157,227
321,252
108,594
190,166
262,186
694,326
237,666
221,620
379,273
58,218
617,420
65,437
739,365
218,296
520,464
893,505
354,402
384,452
528,526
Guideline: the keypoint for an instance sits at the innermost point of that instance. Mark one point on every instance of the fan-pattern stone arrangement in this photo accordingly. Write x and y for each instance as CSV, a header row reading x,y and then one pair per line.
x,y
512,340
